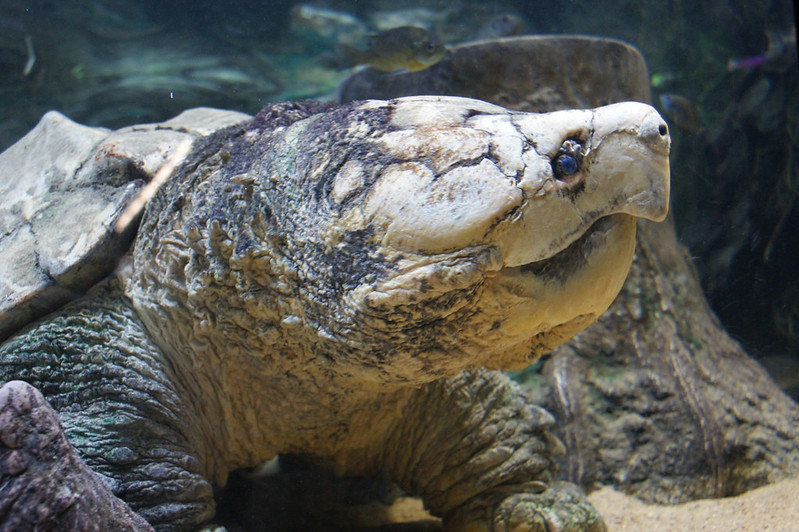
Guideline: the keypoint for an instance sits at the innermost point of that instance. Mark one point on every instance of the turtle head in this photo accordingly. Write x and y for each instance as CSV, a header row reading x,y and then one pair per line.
x,y
506,232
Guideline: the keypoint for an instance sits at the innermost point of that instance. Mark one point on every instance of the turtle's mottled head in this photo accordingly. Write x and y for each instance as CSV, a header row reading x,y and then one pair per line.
x,y
465,234
497,235
406,240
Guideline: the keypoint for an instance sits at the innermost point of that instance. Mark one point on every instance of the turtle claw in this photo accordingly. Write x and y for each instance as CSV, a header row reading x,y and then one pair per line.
x,y
560,507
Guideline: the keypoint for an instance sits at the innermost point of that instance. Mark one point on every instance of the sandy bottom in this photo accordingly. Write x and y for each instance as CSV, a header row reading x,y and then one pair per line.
x,y
773,508
770,508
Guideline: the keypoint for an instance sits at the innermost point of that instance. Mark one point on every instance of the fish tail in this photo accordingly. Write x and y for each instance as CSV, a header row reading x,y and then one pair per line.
x,y
350,56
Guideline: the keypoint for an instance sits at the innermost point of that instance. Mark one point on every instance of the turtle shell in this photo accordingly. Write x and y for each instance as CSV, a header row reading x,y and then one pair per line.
x,y
64,188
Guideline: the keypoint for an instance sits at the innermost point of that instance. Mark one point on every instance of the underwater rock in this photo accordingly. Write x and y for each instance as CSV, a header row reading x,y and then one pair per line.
x,y
657,400
322,26
526,73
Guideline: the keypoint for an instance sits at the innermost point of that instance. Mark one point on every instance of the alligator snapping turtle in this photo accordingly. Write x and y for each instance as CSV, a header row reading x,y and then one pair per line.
x,y
332,281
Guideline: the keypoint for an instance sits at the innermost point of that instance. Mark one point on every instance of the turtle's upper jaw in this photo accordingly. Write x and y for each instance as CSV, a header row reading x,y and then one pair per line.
x,y
587,165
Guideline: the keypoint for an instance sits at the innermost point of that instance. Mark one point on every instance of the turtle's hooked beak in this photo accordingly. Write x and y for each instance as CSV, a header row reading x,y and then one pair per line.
x,y
616,162
629,155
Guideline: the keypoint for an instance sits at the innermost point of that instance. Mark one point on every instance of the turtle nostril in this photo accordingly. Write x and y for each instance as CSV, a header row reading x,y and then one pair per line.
x,y
654,132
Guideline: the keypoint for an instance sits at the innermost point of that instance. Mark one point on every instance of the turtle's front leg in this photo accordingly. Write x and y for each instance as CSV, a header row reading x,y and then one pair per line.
x,y
478,452
112,390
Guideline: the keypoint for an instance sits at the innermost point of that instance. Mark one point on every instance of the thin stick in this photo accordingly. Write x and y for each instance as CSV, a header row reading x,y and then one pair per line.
x,y
149,190
31,56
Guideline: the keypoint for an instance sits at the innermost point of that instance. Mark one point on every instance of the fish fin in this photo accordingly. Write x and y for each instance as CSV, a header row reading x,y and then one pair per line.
x,y
398,72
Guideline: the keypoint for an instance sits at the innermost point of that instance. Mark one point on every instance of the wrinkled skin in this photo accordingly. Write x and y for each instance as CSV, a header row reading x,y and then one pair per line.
x,y
329,281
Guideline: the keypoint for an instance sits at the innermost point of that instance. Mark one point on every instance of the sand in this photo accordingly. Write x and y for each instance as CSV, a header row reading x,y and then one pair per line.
x,y
770,508
773,508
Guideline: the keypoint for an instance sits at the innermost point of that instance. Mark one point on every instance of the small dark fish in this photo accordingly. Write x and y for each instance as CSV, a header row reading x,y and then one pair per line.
x,y
781,49
403,49
503,25
680,111
746,63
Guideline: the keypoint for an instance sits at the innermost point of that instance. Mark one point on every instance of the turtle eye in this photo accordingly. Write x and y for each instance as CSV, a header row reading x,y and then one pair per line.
x,y
568,160
565,165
